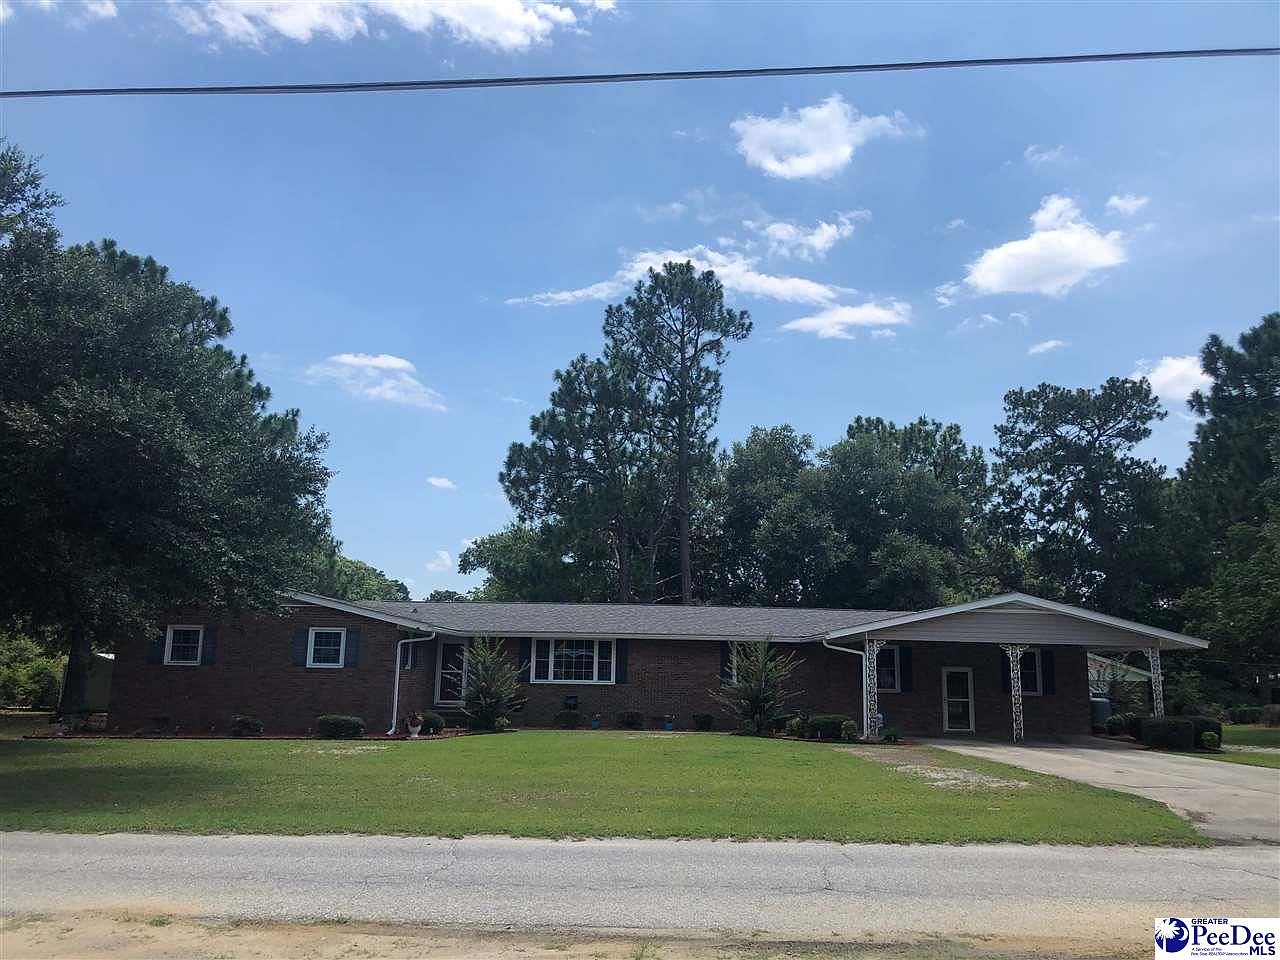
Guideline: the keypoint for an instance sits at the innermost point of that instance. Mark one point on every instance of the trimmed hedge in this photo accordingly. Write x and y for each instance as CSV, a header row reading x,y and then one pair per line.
x,y
1174,733
246,726
631,720
1271,714
568,719
337,726
796,727
1205,725
432,722
826,726
704,721
849,730
1210,740
1245,714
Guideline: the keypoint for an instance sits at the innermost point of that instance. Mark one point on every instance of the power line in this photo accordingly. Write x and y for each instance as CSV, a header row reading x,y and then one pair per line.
x,y
384,86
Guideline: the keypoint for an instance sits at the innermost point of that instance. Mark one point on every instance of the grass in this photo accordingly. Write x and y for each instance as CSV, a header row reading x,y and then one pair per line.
x,y
550,784
16,724
1251,758
1250,735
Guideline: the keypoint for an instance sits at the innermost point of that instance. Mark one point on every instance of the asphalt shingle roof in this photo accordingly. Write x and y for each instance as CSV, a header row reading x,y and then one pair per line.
x,y
469,618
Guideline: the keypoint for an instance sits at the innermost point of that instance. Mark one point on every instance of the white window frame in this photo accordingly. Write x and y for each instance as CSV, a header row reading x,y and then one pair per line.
x,y
466,654
897,669
1039,673
595,661
973,697
168,645
409,652
311,648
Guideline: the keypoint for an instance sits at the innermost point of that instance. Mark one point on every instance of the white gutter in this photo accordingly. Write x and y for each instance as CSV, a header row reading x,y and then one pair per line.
x,y
866,717
395,687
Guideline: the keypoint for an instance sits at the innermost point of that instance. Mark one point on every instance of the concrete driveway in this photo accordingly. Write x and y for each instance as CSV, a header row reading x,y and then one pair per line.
x,y
1230,802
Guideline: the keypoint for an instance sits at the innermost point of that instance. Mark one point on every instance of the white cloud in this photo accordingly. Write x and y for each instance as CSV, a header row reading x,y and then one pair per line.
x,y
1173,378
442,483
1045,346
442,562
664,211
100,9
1063,249
515,401
1038,156
6,10
78,12
736,270
1126,204
884,334
817,141
791,240
838,322
496,24
955,224
379,376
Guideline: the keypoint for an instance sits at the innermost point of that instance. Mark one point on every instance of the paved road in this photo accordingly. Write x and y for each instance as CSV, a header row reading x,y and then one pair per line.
x,y
802,890
1226,801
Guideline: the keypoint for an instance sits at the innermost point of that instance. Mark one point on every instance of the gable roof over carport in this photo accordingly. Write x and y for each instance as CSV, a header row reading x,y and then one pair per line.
x,y
1020,618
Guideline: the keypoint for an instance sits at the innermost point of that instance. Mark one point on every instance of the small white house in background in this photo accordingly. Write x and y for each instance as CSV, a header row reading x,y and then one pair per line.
x,y
1106,672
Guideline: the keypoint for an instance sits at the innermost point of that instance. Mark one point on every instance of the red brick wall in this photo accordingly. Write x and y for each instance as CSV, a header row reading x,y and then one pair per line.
x,y
253,674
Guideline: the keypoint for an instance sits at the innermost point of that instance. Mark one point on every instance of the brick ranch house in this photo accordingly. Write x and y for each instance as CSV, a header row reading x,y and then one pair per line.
x,y
938,672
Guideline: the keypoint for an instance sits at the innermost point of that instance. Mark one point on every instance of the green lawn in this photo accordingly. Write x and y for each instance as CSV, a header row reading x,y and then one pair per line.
x,y
16,724
549,784
1250,735
1252,758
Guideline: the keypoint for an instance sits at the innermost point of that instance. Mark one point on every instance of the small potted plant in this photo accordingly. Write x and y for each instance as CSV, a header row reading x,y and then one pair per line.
x,y
414,722
668,722
595,721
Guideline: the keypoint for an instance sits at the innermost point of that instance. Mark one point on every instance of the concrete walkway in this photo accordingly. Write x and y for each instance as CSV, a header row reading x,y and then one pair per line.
x,y
1230,802
793,890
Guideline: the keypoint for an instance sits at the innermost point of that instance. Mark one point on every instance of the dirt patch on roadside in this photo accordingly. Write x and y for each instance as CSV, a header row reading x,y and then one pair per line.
x,y
921,763
132,937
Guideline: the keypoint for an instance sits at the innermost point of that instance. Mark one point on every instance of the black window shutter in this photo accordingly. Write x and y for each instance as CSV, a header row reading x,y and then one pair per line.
x,y
620,649
209,646
155,652
526,660
905,683
1047,672
351,656
1006,684
726,659
298,649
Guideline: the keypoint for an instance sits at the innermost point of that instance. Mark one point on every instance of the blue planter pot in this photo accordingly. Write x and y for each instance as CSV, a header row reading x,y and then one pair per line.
x,y
595,724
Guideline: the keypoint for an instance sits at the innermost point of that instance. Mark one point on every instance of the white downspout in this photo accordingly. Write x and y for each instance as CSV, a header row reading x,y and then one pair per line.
x,y
395,687
866,717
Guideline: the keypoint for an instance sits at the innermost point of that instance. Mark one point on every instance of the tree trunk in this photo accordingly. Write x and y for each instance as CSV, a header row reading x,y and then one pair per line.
x,y
621,549
682,509
75,686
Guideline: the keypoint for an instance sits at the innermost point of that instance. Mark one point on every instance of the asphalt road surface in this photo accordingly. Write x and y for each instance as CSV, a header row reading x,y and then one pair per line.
x,y
797,890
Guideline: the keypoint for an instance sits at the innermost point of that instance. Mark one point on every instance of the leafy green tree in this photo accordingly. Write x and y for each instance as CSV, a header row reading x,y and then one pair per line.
x,y
493,686
446,596
591,466
538,562
1072,493
332,574
758,689
143,469
674,332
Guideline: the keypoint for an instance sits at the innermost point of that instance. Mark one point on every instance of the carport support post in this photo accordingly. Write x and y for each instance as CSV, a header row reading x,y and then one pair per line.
x,y
1014,652
869,684
1157,682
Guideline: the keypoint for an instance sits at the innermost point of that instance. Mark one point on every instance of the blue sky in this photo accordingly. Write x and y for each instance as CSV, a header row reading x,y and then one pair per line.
x,y
410,268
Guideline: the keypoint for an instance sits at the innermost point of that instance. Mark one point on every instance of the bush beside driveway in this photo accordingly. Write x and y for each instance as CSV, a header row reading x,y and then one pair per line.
x,y
558,784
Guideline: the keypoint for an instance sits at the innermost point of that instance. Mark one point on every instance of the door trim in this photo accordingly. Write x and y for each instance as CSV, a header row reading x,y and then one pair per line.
x,y
968,671
440,645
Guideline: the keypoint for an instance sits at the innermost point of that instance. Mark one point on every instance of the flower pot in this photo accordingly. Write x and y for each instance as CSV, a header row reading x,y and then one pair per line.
x,y
595,724
414,730
669,725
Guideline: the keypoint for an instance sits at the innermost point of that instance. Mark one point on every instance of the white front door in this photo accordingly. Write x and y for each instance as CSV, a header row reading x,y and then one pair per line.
x,y
451,672
957,699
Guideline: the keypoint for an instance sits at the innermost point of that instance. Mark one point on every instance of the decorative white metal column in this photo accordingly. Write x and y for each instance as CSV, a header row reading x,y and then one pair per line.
x,y
1157,682
1014,652
869,685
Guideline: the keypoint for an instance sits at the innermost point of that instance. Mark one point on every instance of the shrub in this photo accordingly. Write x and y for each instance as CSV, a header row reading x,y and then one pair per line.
x,y
1210,740
797,727
1271,714
1115,725
432,722
890,735
1175,733
1245,714
758,693
568,719
1203,725
336,726
704,721
849,730
493,685
631,720
242,726
27,677
826,726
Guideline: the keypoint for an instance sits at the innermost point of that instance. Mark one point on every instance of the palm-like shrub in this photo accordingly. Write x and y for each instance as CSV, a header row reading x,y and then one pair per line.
x,y
757,693
493,686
